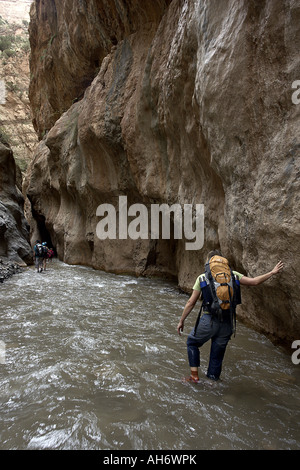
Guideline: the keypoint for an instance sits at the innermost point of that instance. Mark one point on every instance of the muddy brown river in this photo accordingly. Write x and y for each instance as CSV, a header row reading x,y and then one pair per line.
x,y
92,360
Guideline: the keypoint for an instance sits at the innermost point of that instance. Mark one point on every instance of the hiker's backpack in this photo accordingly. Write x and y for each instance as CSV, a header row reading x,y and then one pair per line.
x,y
45,250
220,289
38,249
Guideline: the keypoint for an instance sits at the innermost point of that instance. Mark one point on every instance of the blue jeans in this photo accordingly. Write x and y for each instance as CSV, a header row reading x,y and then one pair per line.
x,y
219,331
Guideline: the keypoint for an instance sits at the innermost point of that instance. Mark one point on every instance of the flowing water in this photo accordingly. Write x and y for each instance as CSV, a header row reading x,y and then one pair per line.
x,y
92,360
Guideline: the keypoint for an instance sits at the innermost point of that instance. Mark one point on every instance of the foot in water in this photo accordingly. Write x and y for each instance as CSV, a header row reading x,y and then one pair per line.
x,y
196,380
191,379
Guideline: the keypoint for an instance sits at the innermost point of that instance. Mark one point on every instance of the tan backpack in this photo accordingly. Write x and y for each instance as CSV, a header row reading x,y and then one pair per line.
x,y
221,282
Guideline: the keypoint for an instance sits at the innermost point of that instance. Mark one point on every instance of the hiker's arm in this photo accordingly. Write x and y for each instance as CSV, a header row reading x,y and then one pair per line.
x,y
255,281
187,309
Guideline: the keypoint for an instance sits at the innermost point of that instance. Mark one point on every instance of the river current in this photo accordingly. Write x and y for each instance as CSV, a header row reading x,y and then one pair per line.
x,y
92,360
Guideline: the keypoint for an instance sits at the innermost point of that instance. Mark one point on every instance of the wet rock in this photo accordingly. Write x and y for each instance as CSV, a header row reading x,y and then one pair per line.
x,y
8,269
14,229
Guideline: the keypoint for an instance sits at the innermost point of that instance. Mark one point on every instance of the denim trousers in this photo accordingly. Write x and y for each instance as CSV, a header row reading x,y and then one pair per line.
x,y
219,331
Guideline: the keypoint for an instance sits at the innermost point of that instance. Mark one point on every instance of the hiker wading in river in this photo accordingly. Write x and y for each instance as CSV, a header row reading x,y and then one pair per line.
x,y
38,256
219,288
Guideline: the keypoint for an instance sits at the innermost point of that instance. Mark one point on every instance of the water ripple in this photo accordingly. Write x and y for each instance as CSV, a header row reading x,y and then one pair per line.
x,y
93,361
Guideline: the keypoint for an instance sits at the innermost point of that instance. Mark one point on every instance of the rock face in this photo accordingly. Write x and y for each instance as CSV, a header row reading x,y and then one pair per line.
x,y
69,41
8,269
15,113
14,230
183,102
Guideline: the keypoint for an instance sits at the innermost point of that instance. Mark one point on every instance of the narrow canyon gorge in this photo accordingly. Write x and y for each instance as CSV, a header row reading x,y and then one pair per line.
x,y
169,102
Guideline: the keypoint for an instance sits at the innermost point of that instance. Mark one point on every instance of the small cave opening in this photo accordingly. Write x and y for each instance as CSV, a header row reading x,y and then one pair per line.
x,y
42,232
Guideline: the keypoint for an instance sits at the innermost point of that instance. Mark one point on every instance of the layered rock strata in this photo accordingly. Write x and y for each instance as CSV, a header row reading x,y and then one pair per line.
x,y
192,103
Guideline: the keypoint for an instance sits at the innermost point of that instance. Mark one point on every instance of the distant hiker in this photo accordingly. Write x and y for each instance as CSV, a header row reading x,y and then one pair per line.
x,y
45,255
38,255
50,254
219,289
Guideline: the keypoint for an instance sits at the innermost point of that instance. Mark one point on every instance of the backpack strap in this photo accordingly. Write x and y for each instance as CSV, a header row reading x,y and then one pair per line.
x,y
198,319
215,307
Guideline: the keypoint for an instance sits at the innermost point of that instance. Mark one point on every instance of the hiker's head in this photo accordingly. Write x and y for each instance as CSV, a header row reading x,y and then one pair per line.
x,y
38,241
213,253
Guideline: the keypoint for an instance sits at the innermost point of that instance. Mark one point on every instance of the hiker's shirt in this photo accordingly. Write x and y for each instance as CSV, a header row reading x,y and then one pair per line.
x,y
203,278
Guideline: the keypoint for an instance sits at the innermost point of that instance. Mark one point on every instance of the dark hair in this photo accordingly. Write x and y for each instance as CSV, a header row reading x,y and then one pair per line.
x,y
213,253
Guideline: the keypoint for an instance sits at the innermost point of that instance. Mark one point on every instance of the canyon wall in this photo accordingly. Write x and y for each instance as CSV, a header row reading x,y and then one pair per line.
x,y
17,136
181,101
14,229
15,112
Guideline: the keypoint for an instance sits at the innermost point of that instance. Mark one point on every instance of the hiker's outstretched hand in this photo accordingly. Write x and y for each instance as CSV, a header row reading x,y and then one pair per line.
x,y
277,268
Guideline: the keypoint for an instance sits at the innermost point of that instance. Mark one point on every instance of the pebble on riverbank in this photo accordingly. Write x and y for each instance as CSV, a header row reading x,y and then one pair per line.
x,y
7,269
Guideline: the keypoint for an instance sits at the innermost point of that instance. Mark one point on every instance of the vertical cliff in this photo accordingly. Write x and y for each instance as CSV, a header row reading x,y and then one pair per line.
x,y
17,137
69,41
15,113
14,229
183,102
